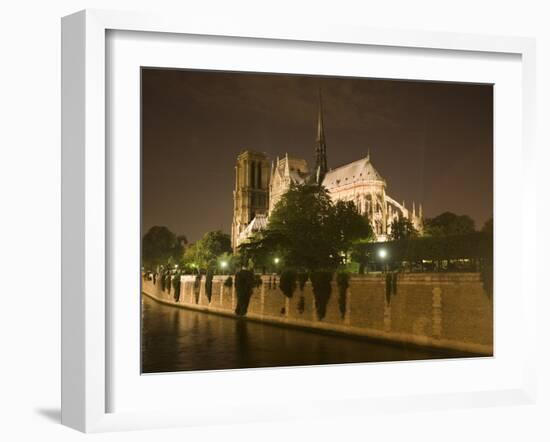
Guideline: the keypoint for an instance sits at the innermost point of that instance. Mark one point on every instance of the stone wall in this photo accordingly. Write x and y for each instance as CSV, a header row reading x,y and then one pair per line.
x,y
440,310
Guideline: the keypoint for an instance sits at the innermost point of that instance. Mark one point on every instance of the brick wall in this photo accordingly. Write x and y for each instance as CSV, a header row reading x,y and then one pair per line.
x,y
434,309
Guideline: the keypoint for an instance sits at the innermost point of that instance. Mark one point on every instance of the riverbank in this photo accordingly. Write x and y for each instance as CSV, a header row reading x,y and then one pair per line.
x,y
181,339
440,351
446,312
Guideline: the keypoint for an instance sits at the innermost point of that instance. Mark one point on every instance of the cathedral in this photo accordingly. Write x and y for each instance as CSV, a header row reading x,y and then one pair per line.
x,y
259,185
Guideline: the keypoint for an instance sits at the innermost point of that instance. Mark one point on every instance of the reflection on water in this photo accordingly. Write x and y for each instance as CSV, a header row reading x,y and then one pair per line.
x,y
175,339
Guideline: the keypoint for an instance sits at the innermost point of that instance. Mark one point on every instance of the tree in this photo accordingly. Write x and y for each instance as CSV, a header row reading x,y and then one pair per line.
x,y
211,246
182,240
360,252
349,226
306,231
244,286
189,262
158,245
300,226
403,228
226,263
287,282
448,224
488,227
260,250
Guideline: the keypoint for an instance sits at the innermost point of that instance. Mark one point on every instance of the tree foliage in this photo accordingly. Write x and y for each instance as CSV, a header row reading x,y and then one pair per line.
x,y
342,280
402,228
287,282
204,254
468,246
449,224
391,285
177,286
302,279
208,284
244,287
260,251
488,227
360,253
307,232
226,263
228,282
348,225
190,259
301,225
322,288
159,245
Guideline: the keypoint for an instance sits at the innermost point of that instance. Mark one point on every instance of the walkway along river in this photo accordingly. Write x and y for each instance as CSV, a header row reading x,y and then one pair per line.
x,y
178,339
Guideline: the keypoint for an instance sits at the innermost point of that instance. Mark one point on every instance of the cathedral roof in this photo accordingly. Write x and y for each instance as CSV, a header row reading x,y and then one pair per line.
x,y
295,168
360,170
298,177
258,223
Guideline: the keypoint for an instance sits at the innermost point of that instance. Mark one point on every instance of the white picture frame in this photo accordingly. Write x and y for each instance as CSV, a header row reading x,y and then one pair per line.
x,y
85,209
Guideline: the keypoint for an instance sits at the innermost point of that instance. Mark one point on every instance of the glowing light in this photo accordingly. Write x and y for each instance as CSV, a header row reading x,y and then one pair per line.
x,y
276,260
223,264
382,253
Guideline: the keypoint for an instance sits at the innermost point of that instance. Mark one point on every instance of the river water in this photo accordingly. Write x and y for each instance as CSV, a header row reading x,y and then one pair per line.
x,y
177,339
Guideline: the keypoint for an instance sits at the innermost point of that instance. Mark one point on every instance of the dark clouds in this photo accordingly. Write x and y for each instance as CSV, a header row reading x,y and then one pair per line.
x,y
432,142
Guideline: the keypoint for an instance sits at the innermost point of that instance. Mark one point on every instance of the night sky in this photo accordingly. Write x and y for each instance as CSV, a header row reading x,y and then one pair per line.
x,y
431,142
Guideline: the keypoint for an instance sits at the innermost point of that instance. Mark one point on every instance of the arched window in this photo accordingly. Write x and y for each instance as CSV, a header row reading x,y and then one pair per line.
x,y
252,182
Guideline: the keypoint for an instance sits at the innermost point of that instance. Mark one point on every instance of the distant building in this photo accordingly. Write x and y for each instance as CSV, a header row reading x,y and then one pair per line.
x,y
260,186
251,194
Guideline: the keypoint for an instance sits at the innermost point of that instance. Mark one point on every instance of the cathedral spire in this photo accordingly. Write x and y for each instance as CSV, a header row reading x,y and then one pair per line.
x,y
321,149
287,167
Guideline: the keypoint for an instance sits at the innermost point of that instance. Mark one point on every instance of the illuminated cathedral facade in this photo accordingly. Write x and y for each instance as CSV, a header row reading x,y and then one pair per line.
x,y
259,185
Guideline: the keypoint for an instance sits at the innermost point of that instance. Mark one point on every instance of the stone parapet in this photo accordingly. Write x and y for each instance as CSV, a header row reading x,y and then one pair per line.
x,y
441,310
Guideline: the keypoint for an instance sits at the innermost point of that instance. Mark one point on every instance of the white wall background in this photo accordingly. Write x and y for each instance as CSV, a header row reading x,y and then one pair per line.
x,y
30,216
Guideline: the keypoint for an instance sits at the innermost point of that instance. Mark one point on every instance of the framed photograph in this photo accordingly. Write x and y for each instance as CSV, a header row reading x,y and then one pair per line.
x,y
280,222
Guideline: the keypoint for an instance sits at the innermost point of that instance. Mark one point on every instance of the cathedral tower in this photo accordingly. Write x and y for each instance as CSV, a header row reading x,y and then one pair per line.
x,y
321,149
250,197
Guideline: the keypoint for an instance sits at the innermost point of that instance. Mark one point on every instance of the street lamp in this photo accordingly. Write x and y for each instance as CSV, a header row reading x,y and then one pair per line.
x,y
223,265
383,253
276,260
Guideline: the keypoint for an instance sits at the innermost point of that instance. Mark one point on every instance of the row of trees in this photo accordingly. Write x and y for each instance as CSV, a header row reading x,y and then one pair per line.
x,y
309,237
444,225
306,232
161,247
212,251
447,237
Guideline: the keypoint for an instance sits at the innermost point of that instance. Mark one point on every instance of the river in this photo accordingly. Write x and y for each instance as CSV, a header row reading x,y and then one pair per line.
x,y
177,339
